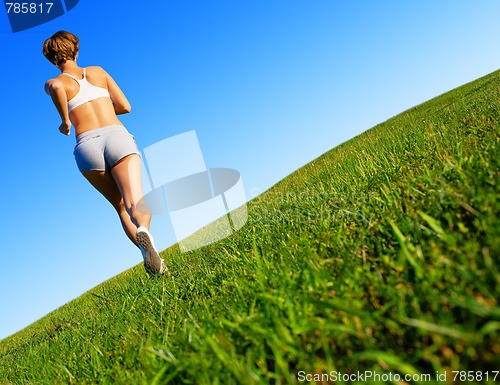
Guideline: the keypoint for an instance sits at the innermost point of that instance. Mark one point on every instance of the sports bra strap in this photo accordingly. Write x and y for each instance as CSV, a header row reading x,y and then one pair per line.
x,y
71,76
84,75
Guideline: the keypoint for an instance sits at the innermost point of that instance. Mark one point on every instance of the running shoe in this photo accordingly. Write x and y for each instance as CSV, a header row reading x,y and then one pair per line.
x,y
153,263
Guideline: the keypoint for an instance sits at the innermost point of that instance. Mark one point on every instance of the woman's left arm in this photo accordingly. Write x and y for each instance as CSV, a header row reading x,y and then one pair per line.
x,y
55,89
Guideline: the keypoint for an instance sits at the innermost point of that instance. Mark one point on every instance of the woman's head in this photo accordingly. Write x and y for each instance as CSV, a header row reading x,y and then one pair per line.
x,y
60,47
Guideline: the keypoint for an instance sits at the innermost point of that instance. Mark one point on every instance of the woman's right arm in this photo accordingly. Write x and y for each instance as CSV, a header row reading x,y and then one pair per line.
x,y
55,89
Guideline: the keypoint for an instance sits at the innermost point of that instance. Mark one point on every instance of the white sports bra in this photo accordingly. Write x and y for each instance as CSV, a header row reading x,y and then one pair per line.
x,y
87,92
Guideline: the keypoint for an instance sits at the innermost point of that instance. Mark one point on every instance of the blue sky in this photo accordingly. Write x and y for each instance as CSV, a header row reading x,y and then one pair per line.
x,y
268,85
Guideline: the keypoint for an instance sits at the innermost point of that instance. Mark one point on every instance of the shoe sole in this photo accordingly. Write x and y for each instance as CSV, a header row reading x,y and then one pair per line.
x,y
152,261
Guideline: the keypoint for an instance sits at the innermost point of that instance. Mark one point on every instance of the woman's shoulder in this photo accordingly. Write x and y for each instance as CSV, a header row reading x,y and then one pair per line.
x,y
54,83
95,70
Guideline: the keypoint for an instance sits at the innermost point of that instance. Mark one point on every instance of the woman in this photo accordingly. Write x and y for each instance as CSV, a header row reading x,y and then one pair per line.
x,y
106,154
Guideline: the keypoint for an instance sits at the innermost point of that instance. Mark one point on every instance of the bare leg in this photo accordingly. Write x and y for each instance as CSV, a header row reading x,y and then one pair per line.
x,y
106,185
123,189
127,174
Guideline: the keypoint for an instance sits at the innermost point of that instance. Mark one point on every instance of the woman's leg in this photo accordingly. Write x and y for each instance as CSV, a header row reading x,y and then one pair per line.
x,y
127,174
123,189
106,185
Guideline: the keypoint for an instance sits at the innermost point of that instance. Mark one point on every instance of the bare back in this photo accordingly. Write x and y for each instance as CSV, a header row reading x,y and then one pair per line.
x,y
97,113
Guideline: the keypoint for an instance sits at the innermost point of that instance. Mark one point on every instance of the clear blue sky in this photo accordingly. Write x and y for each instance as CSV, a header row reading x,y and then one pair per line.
x,y
268,85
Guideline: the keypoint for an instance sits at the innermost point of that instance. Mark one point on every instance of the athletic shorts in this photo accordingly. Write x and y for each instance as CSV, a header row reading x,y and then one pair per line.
x,y
100,149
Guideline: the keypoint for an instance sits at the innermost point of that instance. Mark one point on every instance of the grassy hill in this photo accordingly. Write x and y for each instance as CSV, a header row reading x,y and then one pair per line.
x,y
381,256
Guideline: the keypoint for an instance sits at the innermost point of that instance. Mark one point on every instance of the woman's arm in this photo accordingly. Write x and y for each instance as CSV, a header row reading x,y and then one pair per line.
x,y
54,88
120,101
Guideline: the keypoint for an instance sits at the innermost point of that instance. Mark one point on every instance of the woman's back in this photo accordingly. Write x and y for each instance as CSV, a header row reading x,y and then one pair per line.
x,y
99,112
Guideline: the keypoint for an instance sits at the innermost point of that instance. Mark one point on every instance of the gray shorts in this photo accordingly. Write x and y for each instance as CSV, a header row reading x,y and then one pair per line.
x,y
100,149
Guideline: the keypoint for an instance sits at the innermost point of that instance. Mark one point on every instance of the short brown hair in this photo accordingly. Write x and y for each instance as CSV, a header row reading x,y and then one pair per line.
x,y
60,47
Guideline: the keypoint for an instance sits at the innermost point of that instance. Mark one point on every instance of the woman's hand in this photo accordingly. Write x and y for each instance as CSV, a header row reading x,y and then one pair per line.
x,y
65,128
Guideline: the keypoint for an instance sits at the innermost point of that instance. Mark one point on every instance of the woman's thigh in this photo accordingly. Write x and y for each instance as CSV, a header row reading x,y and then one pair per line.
x,y
127,174
105,183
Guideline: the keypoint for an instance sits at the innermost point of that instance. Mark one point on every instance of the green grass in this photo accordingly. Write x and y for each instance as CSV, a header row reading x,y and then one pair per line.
x,y
381,255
